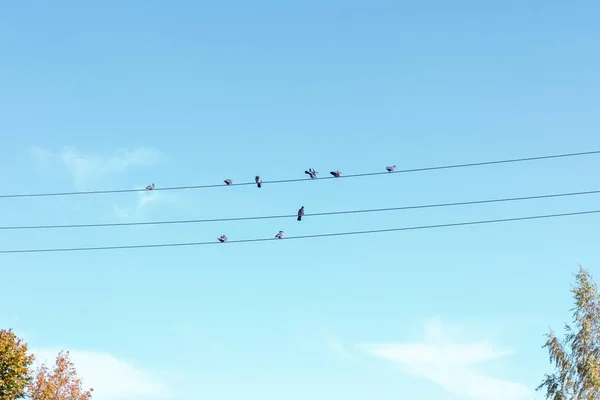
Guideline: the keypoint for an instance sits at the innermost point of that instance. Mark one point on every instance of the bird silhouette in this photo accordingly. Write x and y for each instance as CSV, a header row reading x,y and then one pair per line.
x,y
336,174
390,169
150,187
258,181
300,213
222,239
228,182
312,173
280,235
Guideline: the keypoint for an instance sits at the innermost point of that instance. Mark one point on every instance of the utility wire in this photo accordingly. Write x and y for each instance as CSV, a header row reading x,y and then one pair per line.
x,y
372,210
146,246
506,161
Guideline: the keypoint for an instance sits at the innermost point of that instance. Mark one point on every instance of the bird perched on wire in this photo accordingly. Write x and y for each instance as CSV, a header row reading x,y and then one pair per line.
x,y
300,213
391,169
280,235
258,181
228,182
150,187
336,174
222,239
312,173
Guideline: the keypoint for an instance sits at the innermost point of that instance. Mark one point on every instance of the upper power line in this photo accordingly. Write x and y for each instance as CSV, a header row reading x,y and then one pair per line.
x,y
371,210
336,175
322,235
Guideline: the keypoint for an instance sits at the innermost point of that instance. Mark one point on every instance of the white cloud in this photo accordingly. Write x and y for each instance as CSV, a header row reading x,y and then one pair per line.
x,y
338,348
144,201
86,167
41,154
91,171
111,378
451,365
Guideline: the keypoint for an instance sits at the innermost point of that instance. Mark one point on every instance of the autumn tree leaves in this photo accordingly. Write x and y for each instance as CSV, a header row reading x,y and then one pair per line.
x,y
19,381
60,382
14,366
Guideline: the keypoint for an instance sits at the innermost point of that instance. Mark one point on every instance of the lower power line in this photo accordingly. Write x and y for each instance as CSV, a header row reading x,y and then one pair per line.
x,y
363,232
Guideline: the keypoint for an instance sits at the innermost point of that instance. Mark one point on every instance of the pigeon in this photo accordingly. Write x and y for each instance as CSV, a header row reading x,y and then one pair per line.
x,y
228,182
391,169
280,235
150,187
258,180
336,174
300,213
313,174
222,239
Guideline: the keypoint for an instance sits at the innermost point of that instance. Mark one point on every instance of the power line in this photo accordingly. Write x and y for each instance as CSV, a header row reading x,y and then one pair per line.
x,y
442,167
364,232
372,210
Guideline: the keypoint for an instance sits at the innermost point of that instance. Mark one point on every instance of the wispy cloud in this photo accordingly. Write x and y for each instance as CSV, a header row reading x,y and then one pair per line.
x,y
86,167
110,377
339,349
143,202
451,365
41,154
89,171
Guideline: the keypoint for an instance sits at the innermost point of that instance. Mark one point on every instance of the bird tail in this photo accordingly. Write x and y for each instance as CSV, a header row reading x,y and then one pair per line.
x,y
299,217
259,184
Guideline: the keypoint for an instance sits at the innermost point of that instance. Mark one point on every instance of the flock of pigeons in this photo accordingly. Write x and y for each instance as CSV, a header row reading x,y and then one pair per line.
x,y
311,172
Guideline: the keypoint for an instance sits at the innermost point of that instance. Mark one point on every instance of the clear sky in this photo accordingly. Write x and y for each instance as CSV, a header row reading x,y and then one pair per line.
x,y
112,94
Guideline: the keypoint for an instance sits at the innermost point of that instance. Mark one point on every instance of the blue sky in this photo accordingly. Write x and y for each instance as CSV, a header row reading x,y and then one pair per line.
x,y
115,94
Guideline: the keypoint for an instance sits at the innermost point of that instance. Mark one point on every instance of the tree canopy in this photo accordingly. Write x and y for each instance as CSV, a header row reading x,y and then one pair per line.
x,y
60,382
576,358
15,363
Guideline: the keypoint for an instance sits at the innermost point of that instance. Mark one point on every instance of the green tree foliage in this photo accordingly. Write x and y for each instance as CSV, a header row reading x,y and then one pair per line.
x,y
14,366
576,359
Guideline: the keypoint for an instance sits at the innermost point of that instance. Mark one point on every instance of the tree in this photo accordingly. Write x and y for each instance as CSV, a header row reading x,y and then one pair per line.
x,y
576,359
60,383
14,366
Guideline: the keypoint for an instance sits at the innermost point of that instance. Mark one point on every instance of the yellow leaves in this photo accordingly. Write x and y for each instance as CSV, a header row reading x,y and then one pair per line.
x,y
16,378
60,383
14,366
